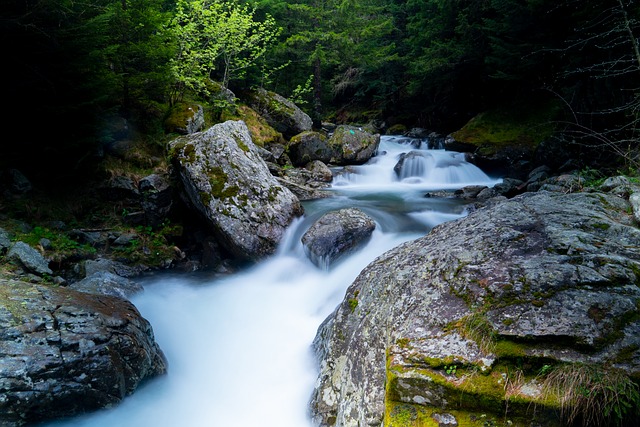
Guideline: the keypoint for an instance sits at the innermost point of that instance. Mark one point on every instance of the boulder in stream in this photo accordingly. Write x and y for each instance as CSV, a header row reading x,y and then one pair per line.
x,y
227,181
353,145
336,234
505,312
64,352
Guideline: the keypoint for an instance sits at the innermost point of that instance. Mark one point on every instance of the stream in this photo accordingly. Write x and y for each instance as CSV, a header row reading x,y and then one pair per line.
x,y
239,346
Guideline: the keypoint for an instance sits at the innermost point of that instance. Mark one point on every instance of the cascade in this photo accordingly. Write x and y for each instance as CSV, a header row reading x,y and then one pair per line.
x,y
238,346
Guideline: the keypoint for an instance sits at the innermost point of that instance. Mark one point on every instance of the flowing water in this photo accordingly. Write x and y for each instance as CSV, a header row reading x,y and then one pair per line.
x,y
239,347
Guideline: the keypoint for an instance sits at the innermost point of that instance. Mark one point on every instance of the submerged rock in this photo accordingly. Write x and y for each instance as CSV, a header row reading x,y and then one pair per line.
x,y
65,352
337,234
439,324
227,181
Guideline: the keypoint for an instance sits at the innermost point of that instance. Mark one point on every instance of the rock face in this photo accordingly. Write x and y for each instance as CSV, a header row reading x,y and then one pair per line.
x,y
353,145
228,182
336,234
281,114
439,324
64,352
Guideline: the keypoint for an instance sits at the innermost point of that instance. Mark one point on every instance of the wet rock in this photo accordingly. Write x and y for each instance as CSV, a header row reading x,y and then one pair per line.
x,y
546,278
29,258
65,352
353,145
229,184
337,234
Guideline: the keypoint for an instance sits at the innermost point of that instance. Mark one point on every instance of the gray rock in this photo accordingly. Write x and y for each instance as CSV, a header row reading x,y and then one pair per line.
x,y
29,258
281,114
5,241
613,182
227,181
552,276
353,145
319,171
337,234
195,123
65,352
106,283
309,146
634,200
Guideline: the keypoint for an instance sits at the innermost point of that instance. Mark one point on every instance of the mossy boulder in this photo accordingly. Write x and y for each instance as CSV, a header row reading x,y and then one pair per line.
x,y
474,317
229,184
184,118
309,146
281,114
506,139
353,145
262,133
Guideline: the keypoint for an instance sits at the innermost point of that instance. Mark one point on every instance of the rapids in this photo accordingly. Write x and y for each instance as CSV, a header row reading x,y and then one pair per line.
x,y
239,346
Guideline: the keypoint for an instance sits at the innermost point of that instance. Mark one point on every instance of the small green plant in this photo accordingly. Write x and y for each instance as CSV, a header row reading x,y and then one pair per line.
x,y
450,369
593,395
477,328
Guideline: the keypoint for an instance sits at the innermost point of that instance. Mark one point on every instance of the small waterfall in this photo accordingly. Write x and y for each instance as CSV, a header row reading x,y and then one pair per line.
x,y
239,346
409,163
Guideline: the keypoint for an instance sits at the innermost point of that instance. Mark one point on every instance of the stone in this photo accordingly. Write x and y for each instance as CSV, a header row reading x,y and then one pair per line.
x,y
353,145
29,258
336,234
281,114
66,352
545,278
106,283
309,146
227,182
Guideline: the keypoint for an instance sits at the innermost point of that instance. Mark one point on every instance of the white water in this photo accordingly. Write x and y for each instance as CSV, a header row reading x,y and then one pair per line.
x,y
239,347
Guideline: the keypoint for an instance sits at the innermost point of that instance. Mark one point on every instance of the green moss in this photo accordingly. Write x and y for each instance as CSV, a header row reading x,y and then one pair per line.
x,y
523,125
261,132
403,342
218,180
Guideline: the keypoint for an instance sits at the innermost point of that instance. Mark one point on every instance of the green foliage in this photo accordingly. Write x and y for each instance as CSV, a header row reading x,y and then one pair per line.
x,y
62,245
151,246
212,34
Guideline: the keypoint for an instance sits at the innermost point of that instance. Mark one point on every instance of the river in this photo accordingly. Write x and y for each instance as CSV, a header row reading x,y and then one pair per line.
x,y
238,346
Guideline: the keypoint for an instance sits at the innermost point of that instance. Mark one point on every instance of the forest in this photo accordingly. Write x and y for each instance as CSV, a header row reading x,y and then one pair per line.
x,y
73,68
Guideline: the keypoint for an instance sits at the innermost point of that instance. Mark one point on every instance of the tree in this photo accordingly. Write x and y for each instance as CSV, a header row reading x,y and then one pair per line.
x,y
214,34
601,81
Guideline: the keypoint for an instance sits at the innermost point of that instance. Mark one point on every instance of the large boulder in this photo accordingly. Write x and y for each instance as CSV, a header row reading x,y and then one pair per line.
x,y
281,114
336,234
505,313
64,352
227,181
353,145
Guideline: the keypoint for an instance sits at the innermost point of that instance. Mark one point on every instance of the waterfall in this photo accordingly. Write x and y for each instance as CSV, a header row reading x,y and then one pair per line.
x,y
239,346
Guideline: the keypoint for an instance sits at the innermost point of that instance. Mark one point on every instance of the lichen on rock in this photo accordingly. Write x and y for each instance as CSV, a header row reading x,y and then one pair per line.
x,y
228,182
473,317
